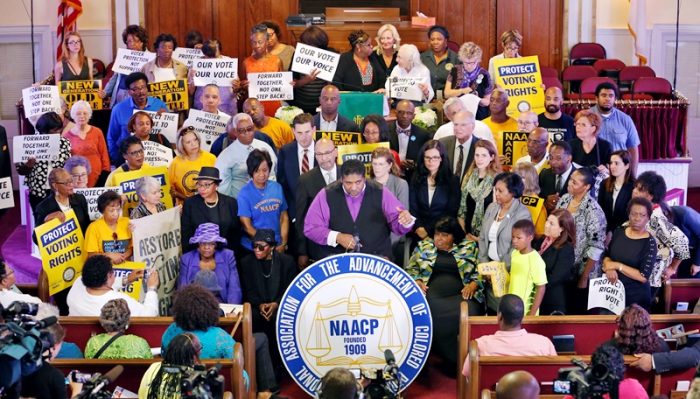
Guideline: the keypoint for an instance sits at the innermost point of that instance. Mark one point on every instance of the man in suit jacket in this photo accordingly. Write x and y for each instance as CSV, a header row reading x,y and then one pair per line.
x,y
663,362
555,179
329,120
310,183
291,163
405,137
463,122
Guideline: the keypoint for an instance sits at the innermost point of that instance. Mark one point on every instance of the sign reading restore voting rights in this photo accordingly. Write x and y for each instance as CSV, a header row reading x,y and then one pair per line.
x,y
61,249
522,80
41,147
128,61
604,294
270,86
308,58
39,100
218,71
346,311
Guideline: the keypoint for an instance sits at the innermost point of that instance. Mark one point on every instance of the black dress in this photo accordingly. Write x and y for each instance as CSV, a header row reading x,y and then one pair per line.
x,y
444,298
637,253
559,264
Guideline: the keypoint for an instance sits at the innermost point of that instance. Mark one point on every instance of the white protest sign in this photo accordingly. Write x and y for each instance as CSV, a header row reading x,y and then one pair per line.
x,y
270,86
128,61
471,101
7,200
187,55
405,88
156,154
218,71
91,195
209,126
604,294
165,124
40,100
307,58
42,147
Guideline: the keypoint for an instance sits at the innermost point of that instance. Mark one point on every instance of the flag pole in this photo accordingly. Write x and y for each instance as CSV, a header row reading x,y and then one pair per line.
x,y
31,24
675,62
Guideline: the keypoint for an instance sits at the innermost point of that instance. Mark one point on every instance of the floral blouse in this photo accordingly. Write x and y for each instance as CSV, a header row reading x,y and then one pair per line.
x,y
37,179
590,231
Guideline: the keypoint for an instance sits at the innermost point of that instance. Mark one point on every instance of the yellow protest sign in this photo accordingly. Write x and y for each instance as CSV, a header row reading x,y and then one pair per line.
x,y
499,276
123,270
61,249
127,182
512,145
172,92
76,90
340,138
522,80
362,152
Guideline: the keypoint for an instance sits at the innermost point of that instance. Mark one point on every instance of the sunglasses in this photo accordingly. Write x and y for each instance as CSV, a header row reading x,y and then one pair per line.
x,y
260,247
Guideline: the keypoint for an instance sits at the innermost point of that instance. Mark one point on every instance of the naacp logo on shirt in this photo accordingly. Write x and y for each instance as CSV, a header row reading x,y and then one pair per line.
x,y
346,311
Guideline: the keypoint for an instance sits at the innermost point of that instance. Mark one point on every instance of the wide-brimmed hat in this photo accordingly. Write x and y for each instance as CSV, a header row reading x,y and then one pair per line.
x,y
209,173
208,280
265,235
207,232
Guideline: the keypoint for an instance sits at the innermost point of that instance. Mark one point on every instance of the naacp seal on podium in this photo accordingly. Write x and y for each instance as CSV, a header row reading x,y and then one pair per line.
x,y
346,311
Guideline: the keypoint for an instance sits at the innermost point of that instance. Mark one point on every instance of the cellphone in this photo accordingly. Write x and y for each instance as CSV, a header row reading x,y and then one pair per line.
x,y
561,386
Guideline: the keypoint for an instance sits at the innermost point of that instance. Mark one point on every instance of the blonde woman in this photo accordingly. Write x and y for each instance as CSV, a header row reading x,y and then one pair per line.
x,y
477,190
186,165
511,41
74,65
388,42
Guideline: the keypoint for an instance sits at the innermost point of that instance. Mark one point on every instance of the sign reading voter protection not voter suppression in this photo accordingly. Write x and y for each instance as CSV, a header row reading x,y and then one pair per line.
x,y
346,311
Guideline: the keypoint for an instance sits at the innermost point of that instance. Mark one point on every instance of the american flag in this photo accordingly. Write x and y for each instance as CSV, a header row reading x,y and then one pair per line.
x,y
68,13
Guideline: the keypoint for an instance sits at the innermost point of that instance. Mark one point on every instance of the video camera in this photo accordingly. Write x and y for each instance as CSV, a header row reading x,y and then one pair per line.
x,y
22,344
385,383
199,382
95,386
587,382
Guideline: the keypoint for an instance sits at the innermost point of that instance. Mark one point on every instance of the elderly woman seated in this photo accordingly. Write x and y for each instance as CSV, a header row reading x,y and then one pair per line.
x,y
211,254
149,193
114,344
444,267
411,66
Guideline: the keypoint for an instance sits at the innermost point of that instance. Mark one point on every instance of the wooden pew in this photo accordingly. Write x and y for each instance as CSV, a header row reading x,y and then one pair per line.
x,y
487,370
80,329
589,331
134,369
681,290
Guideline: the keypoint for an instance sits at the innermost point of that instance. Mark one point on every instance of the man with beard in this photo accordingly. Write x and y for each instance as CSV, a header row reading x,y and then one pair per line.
x,y
559,125
618,128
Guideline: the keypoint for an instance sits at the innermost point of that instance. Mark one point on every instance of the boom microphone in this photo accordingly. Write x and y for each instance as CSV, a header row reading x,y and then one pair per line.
x,y
102,381
49,321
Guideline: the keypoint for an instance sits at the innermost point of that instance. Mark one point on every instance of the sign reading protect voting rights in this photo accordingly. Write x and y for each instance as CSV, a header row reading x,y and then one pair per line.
x,y
42,147
86,90
127,182
172,92
209,126
128,61
124,269
309,58
61,249
522,80
271,86
40,100
361,152
218,71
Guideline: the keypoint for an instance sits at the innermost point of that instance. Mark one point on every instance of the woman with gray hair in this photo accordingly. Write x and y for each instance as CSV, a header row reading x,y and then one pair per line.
x,y
468,77
114,344
149,193
409,65
88,141
79,168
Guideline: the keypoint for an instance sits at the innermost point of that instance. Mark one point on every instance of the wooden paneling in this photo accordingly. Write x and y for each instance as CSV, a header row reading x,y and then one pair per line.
x,y
338,34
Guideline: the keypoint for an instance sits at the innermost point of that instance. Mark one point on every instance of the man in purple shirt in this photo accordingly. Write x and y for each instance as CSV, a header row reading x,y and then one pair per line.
x,y
364,214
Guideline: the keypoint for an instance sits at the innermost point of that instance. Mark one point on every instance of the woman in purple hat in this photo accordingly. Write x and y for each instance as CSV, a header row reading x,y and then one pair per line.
x,y
211,254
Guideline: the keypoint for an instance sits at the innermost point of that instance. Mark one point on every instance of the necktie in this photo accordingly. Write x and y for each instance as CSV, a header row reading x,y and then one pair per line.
x,y
557,184
305,161
460,161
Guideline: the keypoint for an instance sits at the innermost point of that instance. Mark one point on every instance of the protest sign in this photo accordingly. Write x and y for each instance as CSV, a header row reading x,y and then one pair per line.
x,y
7,200
604,294
127,182
91,195
271,86
309,58
361,152
76,90
42,147
521,79
128,61
157,243
40,100
61,249
534,204
187,55
164,123
405,88
340,138
512,145
499,276
124,269
172,92
156,154
218,71
209,126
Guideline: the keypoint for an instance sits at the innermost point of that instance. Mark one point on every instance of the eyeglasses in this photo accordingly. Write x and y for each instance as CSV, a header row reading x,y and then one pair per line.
x,y
65,183
139,88
260,247
245,129
80,176
525,122
512,48
431,159
135,153
323,154
201,184
73,42
470,63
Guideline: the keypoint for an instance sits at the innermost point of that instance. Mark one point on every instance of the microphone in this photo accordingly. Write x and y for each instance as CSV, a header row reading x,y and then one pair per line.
x,y
49,321
102,381
389,357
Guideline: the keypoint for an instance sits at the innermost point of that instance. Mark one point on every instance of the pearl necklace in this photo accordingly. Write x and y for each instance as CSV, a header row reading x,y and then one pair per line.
x,y
212,205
